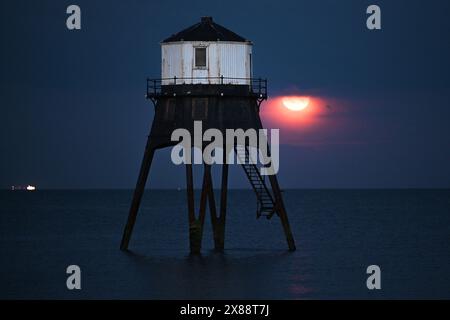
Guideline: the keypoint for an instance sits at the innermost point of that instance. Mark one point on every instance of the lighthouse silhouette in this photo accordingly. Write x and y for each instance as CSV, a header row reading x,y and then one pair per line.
x,y
206,75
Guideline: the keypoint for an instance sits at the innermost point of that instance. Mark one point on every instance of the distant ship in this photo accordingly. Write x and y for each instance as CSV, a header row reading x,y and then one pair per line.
x,y
27,188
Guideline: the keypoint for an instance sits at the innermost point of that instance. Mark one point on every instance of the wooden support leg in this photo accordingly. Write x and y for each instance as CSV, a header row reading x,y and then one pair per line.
x,y
279,207
279,204
196,224
218,222
138,192
190,193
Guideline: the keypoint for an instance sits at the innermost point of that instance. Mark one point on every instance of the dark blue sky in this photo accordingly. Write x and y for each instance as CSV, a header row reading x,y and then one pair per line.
x,y
73,113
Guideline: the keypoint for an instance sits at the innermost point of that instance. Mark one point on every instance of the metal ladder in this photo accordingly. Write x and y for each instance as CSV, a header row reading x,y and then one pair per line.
x,y
265,205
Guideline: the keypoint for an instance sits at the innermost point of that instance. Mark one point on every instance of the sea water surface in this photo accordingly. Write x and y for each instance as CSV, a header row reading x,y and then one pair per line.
x,y
339,233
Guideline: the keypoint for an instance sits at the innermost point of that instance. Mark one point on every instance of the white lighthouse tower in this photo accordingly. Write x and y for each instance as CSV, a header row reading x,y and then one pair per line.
x,y
204,53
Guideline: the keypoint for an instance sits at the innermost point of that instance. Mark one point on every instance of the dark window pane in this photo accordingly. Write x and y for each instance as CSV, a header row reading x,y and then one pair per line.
x,y
200,57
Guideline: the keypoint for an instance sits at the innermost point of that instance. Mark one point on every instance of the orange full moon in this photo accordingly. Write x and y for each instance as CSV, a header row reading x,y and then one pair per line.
x,y
296,103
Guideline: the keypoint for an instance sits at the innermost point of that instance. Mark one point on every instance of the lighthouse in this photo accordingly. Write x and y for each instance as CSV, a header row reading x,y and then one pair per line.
x,y
207,78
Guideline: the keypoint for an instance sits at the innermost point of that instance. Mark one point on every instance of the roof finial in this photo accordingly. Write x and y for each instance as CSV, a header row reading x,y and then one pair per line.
x,y
207,19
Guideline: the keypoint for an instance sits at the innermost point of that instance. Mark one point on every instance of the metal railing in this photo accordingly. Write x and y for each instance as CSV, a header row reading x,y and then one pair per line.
x,y
257,86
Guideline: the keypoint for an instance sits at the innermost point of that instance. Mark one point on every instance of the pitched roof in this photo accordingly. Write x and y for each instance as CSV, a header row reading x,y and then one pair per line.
x,y
205,30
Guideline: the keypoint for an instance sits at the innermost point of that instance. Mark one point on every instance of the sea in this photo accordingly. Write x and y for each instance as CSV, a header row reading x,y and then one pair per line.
x,y
338,233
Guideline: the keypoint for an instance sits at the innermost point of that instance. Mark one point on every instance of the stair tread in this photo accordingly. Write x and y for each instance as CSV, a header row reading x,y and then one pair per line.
x,y
264,197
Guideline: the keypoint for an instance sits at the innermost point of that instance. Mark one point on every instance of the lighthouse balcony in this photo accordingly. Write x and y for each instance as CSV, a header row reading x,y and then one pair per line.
x,y
207,86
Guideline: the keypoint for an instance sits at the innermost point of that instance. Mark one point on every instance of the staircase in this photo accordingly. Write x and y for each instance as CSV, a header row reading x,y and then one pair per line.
x,y
265,205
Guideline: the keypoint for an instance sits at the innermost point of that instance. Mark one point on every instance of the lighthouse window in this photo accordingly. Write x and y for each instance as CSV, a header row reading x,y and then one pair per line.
x,y
200,57
199,109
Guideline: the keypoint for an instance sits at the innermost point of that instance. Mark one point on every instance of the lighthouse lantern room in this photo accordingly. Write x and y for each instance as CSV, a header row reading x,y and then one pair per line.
x,y
204,53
